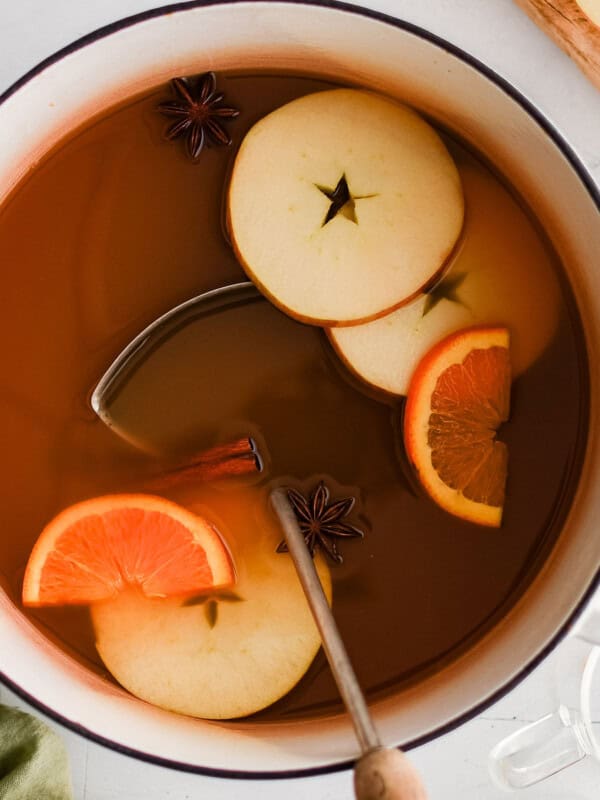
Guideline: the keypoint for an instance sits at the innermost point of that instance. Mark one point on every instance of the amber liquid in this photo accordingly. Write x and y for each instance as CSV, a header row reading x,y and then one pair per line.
x,y
114,228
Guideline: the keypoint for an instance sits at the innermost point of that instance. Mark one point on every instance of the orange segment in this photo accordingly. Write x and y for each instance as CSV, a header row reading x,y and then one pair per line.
x,y
458,397
94,549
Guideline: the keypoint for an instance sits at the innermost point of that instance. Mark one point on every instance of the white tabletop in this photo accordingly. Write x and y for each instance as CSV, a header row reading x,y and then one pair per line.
x,y
455,765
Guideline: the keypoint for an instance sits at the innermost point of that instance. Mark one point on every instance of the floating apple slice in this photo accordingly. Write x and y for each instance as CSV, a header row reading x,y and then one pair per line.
x,y
499,287
261,643
343,205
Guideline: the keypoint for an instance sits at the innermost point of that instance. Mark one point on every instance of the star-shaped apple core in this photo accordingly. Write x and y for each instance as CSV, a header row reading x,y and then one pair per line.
x,y
446,289
342,201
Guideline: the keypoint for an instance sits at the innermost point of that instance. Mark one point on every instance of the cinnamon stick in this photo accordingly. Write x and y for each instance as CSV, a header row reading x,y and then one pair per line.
x,y
574,30
229,450
232,459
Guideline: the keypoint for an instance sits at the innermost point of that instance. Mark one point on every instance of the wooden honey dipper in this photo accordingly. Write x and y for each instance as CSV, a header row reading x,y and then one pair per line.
x,y
381,773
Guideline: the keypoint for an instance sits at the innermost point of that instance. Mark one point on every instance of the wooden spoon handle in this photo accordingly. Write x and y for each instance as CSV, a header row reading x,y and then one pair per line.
x,y
333,645
381,773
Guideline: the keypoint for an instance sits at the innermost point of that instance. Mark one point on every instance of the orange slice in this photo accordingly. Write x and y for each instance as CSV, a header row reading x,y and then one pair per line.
x,y
458,397
94,549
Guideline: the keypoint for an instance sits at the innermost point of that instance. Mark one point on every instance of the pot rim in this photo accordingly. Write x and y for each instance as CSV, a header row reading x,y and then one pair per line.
x,y
584,176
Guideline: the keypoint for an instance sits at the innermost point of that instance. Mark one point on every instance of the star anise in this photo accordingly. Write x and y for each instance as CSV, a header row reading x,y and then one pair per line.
x,y
321,521
198,115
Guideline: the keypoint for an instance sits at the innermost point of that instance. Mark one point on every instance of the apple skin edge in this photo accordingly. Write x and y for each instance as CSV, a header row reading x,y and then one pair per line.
x,y
446,263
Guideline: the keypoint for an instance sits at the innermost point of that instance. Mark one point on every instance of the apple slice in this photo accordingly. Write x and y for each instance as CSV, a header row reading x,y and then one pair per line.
x,y
343,205
259,647
490,282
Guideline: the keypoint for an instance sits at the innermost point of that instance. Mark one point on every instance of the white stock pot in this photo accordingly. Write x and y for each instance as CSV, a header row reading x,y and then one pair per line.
x,y
393,57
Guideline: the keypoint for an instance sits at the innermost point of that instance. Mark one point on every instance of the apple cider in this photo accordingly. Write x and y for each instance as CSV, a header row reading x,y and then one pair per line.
x,y
114,227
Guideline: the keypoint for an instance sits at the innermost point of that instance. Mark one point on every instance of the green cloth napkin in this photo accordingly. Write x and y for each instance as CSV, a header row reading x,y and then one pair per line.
x,y
33,760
